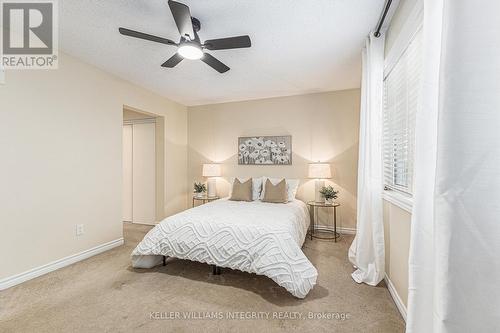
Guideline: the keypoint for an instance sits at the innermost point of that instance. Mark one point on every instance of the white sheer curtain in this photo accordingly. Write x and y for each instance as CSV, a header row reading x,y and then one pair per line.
x,y
454,283
367,250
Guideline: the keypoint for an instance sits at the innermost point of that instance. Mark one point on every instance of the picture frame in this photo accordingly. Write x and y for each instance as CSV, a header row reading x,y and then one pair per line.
x,y
265,150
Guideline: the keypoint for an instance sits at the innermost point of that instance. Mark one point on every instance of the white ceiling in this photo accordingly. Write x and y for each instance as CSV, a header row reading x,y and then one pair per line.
x,y
298,47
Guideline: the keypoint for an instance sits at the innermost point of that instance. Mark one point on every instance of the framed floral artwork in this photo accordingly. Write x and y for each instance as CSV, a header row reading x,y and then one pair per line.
x,y
265,150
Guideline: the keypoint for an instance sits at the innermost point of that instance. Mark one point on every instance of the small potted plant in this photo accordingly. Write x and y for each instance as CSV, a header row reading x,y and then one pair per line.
x,y
199,189
329,194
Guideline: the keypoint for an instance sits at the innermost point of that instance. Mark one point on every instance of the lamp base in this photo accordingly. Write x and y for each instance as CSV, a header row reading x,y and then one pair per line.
x,y
317,187
212,187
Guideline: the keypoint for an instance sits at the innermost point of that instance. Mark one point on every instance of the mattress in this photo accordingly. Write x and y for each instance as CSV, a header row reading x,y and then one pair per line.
x,y
255,237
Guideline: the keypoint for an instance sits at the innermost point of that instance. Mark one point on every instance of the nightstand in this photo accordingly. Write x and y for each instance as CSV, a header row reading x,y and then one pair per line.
x,y
314,230
204,199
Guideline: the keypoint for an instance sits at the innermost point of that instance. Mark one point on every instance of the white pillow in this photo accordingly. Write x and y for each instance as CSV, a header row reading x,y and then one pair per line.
x,y
256,186
291,186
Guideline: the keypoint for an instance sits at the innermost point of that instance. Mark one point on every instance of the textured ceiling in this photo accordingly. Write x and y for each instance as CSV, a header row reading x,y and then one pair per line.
x,y
297,46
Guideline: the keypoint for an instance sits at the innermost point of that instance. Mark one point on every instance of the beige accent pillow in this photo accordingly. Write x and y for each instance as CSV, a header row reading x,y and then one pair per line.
x,y
241,191
275,193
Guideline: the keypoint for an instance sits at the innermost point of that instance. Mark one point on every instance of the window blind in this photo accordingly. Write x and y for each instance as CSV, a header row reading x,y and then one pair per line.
x,y
402,86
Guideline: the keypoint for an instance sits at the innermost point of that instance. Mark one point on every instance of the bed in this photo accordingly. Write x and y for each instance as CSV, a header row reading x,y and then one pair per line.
x,y
255,237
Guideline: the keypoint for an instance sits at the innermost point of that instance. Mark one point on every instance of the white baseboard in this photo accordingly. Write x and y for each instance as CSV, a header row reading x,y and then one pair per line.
x,y
395,296
52,266
149,224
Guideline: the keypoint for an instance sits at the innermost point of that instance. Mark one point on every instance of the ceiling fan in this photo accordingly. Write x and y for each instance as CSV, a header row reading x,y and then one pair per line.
x,y
190,46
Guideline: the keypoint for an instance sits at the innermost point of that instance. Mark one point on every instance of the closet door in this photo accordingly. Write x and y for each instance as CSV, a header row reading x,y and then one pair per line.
x,y
144,173
127,173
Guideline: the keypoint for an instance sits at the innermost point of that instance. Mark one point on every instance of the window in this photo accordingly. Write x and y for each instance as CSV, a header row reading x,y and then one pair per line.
x,y
401,101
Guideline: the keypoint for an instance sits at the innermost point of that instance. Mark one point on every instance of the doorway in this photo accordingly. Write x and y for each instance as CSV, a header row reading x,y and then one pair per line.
x,y
140,154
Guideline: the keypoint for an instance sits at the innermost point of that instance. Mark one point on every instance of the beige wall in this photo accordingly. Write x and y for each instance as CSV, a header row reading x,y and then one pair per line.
x,y
397,222
135,115
324,127
60,138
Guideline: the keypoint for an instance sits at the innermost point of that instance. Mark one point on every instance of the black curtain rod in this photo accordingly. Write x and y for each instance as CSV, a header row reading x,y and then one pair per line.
x,y
382,18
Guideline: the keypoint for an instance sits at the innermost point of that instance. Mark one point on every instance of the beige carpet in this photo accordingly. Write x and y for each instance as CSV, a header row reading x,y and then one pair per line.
x,y
104,294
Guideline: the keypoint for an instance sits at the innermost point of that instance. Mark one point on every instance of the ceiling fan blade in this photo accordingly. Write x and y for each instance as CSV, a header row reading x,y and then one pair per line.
x,y
172,61
141,35
182,18
214,63
228,43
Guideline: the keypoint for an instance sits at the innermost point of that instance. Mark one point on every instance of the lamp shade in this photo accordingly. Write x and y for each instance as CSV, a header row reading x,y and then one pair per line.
x,y
211,170
319,170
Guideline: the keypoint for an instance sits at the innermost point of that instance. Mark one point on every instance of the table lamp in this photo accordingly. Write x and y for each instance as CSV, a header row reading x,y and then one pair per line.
x,y
211,171
320,172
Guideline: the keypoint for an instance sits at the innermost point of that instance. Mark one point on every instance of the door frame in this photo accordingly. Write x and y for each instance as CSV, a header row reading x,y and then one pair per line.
x,y
160,158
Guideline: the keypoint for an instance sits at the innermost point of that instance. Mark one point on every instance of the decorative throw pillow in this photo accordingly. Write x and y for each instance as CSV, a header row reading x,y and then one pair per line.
x,y
291,186
275,193
241,191
256,186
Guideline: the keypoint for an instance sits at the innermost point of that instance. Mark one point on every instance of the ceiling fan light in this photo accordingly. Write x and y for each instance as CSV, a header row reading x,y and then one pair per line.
x,y
190,51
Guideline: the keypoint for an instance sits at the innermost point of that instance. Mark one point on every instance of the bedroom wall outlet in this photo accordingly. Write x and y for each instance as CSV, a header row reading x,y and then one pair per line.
x,y
79,229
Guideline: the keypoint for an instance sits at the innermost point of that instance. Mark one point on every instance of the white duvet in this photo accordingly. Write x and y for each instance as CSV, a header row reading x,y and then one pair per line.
x,y
255,237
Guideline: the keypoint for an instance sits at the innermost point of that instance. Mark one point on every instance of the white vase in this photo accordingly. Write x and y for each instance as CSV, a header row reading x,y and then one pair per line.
x,y
329,201
199,195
